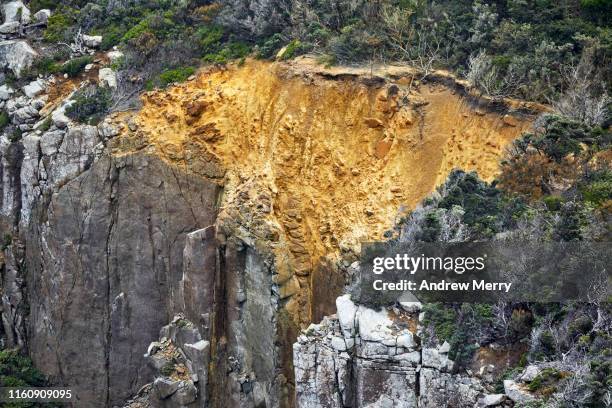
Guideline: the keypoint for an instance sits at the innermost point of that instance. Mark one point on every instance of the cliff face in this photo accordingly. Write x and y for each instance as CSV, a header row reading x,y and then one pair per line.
x,y
104,269
235,200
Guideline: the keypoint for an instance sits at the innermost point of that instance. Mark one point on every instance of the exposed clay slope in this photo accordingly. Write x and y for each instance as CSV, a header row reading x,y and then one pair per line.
x,y
337,159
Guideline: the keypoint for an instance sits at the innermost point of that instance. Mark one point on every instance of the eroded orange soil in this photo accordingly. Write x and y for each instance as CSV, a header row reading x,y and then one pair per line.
x,y
330,162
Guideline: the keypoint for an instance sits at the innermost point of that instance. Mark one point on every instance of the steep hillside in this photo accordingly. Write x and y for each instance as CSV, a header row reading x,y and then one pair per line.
x,y
230,205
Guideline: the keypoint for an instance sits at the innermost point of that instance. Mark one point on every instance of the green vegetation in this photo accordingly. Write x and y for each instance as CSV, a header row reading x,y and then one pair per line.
x,y
45,125
462,326
59,26
167,369
170,76
75,66
546,380
15,135
596,188
17,370
90,105
36,5
4,119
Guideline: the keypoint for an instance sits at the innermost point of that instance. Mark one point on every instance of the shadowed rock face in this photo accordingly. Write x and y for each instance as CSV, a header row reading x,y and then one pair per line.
x,y
105,259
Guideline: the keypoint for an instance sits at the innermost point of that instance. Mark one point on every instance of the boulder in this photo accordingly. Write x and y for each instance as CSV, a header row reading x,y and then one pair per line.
x,y
107,77
492,400
198,351
42,16
346,311
530,373
165,387
406,340
60,119
516,393
16,11
373,325
434,359
114,56
16,55
338,343
51,141
411,307
6,92
444,348
92,41
34,88
9,28
186,393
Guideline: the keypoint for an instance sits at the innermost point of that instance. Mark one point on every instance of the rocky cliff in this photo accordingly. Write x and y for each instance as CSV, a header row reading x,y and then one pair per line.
x,y
235,201
362,357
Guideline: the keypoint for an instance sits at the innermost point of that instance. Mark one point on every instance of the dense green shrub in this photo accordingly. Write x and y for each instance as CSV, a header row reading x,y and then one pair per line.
x,y
596,189
75,66
553,203
175,75
59,26
6,241
293,49
17,370
270,46
462,326
15,135
231,51
549,377
90,105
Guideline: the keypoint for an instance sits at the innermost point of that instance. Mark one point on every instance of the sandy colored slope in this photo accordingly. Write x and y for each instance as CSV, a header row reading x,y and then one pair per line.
x,y
338,160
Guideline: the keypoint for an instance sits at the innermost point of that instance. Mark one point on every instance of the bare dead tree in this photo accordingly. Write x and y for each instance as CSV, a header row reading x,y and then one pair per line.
x,y
585,99
416,47
124,96
77,47
486,77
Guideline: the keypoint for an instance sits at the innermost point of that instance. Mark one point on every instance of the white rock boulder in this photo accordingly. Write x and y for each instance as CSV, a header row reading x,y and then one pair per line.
x,y
492,400
373,325
92,41
6,92
114,56
34,88
346,311
9,28
16,55
530,373
16,11
42,16
107,77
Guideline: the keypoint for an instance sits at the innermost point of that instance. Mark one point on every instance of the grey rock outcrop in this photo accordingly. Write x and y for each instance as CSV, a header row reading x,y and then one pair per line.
x,y
92,41
370,358
10,28
107,77
517,392
34,88
16,11
130,250
16,55
42,16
